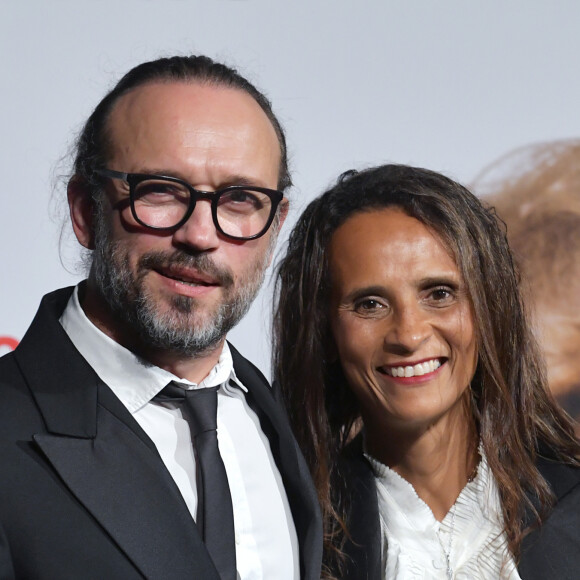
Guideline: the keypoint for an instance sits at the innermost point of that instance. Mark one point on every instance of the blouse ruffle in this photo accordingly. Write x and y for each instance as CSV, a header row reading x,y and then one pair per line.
x,y
416,545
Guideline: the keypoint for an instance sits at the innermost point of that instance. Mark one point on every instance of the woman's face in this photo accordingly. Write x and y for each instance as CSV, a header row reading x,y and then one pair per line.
x,y
401,320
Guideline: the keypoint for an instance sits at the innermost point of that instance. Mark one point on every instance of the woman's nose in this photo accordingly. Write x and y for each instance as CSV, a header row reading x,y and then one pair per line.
x,y
409,328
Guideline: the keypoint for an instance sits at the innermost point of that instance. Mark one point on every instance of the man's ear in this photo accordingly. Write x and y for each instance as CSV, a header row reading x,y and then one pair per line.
x,y
280,218
283,211
81,208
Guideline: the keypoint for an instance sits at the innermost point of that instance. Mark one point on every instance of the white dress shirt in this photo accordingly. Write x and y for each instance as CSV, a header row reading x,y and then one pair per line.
x,y
266,541
469,544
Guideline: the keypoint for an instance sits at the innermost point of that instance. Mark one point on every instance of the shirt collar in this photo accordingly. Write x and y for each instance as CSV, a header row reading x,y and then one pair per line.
x,y
133,380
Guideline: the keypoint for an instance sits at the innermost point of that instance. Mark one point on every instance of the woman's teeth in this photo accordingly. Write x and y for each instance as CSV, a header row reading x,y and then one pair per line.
x,y
415,370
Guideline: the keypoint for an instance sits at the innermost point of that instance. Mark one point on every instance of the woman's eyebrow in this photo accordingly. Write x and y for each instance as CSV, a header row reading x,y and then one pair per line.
x,y
365,291
440,279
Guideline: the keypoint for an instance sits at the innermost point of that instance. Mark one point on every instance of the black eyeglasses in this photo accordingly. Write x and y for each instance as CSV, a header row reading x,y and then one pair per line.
x,y
160,202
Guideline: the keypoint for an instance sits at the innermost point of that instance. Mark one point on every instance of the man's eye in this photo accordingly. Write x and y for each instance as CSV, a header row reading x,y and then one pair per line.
x,y
156,192
243,197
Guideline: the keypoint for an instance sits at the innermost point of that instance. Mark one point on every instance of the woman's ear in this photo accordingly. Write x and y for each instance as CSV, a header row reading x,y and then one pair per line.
x,y
81,206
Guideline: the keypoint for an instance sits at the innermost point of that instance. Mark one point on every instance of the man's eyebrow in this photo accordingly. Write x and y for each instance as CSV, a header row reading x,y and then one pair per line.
x,y
242,180
226,181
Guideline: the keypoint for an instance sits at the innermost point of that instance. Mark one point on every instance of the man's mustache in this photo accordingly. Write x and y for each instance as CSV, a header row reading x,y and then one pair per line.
x,y
201,262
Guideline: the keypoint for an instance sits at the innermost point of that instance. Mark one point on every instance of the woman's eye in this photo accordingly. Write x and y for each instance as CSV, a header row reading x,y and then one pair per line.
x,y
368,305
441,295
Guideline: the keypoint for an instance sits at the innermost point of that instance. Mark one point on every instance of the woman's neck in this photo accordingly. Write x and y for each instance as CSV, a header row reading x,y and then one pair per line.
x,y
437,461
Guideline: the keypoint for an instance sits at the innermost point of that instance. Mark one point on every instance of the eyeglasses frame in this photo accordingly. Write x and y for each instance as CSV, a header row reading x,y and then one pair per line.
x,y
133,179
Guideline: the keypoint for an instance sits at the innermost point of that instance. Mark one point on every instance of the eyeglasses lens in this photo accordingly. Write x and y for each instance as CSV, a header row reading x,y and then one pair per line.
x,y
241,213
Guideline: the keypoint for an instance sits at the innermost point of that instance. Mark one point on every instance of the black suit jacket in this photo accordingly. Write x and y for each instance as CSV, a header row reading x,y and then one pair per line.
x,y
550,552
83,491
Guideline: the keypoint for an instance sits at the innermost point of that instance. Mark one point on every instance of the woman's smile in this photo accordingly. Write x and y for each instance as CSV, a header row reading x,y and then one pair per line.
x,y
409,369
401,319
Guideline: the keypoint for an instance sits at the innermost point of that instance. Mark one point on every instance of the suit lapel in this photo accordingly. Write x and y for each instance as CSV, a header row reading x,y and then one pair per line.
x,y
103,456
297,481
363,548
119,481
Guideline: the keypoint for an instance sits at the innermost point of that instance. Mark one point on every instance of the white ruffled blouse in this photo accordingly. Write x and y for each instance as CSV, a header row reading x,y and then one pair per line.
x,y
468,544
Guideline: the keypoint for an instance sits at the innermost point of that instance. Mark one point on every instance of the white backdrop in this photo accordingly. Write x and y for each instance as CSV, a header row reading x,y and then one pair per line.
x,y
450,85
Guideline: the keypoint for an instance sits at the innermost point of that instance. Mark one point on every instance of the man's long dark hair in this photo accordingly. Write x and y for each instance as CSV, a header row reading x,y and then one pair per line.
x,y
514,414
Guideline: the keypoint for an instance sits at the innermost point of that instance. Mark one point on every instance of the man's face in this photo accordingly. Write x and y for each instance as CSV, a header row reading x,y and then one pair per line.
x,y
182,291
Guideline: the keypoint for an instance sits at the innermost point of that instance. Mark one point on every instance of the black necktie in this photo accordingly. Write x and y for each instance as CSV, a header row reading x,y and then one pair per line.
x,y
215,517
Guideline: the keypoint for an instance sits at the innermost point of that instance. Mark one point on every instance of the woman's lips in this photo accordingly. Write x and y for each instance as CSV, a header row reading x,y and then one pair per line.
x,y
413,370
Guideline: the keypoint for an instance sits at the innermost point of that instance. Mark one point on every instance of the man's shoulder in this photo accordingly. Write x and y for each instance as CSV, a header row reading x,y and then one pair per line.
x,y
247,371
46,319
553,549
564,479
9,374
17,406
42,355
49,311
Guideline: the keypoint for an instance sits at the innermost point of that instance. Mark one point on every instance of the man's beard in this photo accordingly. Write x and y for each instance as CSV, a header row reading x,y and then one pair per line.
x,y
185,327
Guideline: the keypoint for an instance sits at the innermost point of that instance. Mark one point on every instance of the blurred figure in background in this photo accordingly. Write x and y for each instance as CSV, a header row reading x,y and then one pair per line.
x,y
536,191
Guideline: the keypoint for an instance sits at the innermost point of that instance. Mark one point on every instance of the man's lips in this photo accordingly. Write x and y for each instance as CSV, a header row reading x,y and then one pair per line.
x,y
186,270
413,369
187,276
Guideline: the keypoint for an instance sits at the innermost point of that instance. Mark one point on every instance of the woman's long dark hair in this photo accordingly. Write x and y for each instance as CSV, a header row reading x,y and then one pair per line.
x,y
515,416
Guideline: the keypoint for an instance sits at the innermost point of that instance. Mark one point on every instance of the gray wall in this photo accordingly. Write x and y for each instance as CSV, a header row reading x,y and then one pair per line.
x,y
450,85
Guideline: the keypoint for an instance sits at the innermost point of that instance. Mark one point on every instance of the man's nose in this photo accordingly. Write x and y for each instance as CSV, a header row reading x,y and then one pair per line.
x,y
408,330
199,231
